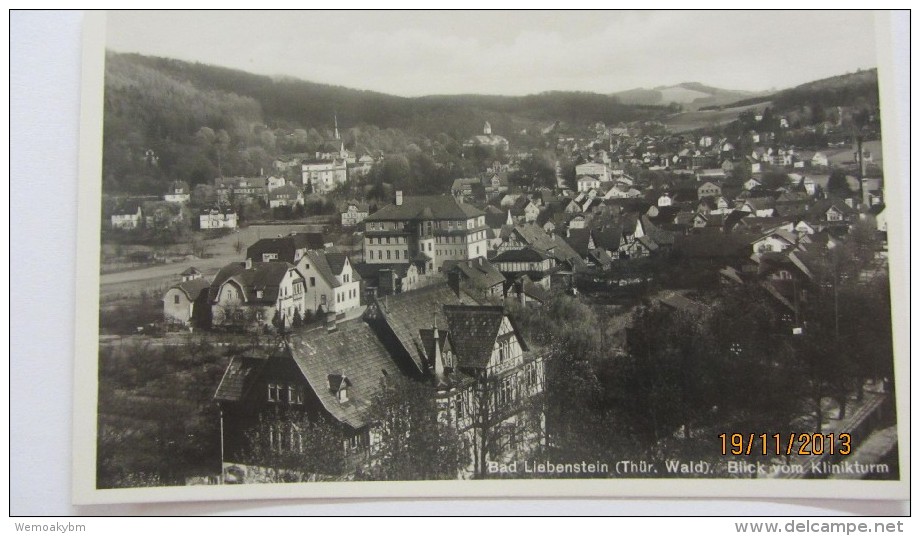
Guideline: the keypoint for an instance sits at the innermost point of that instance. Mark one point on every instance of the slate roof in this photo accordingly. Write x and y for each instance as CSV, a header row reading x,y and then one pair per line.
x,y
336,261
427,337
460,183
608,237
528,254
411,311
761,203
578,239
321,261
473,330
479,271
820,208
495,217
288,190
237,379
660,236
285,246
352,351
193,287
534,291
264,276
434,207
535,236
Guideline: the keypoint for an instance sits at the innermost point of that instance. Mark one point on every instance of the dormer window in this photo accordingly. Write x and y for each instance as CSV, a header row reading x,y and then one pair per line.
x,y
259,294
338,385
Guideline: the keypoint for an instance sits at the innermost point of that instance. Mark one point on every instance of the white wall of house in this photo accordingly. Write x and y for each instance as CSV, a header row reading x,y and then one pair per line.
x,y
177,307
324,294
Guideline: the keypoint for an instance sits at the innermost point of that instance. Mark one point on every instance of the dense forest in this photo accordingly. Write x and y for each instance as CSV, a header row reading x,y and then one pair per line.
x,y
202,121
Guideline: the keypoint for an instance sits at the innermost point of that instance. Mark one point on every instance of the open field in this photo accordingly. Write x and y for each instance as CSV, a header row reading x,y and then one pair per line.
x,y
685,121
221,251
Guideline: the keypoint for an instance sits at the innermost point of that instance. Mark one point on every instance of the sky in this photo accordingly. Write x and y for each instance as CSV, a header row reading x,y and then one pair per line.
x,y
511,53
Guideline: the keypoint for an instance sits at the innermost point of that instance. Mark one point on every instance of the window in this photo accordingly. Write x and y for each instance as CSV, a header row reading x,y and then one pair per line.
x,y
397,254
458,405
406,254
388,254
346,278
505,394
312,281
274,392
176,299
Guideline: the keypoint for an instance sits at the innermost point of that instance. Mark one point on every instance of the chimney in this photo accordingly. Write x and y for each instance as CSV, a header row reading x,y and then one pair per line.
x,y
453,281
399,198
249,264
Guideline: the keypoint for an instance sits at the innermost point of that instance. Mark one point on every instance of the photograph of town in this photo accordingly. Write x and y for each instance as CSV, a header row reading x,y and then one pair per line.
x,y
360,246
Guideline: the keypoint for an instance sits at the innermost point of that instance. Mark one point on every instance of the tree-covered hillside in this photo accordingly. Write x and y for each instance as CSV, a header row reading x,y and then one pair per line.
x,y
200,121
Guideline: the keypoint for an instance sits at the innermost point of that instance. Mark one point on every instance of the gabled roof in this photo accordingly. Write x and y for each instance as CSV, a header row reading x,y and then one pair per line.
x,y
428,340
285,246
578,239
495,217
336,261
434,207
760,203
407,313
821,207
534,291
329,265
660,236
352,351
473,332
193,287
237,379
479,271
263,276
608,237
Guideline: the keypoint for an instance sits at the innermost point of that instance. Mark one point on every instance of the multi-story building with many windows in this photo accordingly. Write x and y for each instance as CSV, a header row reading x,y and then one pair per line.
x,y
426,231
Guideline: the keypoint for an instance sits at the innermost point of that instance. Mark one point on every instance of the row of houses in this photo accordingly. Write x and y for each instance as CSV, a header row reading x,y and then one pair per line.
x,y
282,279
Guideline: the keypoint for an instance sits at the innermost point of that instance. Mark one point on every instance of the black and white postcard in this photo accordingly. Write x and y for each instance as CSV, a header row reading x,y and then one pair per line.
x,y
442,254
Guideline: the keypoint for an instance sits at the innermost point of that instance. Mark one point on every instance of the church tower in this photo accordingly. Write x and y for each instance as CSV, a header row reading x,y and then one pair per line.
x,y
487,130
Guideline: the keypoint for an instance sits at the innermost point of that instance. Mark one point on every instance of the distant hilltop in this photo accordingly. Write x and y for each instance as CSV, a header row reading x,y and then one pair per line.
x,y
691,95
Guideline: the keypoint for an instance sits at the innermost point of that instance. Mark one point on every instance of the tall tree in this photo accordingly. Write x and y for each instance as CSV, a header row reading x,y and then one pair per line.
x,y
414,436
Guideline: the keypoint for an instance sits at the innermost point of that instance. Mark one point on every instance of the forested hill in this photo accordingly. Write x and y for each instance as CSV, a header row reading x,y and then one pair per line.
x,y
193,115
852,89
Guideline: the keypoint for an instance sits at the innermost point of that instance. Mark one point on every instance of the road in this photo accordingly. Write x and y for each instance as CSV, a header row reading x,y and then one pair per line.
x,y
221,251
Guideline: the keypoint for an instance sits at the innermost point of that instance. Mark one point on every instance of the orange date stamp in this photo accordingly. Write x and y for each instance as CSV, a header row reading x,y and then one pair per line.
x,y
803,444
